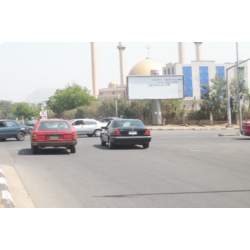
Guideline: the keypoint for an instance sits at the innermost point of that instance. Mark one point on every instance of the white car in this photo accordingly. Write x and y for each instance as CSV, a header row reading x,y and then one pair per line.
x,y
89,127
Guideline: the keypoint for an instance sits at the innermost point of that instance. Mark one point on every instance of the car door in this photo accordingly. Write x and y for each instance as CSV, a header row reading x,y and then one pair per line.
x,y
91,126
79,126
105,133
12,129
3,130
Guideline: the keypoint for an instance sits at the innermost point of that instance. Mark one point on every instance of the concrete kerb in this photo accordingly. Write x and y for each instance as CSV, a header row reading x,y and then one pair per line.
x,y
196,128
171,128
4,191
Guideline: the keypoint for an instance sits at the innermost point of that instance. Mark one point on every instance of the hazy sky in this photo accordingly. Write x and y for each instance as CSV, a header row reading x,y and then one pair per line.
x,y
28,66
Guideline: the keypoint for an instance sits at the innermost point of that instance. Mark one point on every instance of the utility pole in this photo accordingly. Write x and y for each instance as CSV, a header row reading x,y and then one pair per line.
x,y
116,109
239,94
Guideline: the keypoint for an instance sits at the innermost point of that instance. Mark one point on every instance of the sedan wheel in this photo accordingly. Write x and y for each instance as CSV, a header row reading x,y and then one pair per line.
x,y
97,133
90,135
103,143
34,149
3,139
20,136
72,149
146,145
111,145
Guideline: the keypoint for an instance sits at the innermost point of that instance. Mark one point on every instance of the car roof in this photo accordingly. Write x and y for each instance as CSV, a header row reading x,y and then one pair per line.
x,y
51,120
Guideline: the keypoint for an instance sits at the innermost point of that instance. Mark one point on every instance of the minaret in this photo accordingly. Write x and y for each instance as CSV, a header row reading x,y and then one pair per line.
x,y
198,51
95,89
121,49
182,53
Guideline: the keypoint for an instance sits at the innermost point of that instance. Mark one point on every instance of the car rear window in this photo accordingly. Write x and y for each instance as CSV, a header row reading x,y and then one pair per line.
x,y
126,123
54,125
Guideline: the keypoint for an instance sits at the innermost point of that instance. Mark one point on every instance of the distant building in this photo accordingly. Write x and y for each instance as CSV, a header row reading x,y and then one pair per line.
x,y
196,73
114,91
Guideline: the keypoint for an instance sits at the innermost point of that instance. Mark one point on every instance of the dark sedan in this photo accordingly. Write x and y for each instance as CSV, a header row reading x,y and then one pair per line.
x,y
125,132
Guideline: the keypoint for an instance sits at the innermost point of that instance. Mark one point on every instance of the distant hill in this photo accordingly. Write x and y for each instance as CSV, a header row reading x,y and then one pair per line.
x,y
40,95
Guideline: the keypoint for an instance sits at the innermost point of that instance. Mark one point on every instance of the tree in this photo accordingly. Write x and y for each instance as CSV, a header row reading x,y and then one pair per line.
x,y
215,97
73,96
23,109
5,108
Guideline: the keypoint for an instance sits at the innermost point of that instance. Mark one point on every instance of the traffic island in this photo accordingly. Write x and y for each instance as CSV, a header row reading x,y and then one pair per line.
x,y
5,196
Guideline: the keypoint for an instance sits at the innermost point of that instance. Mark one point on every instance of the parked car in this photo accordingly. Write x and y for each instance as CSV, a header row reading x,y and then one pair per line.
x,y
13,129
54,133
125,132
89,127
108,119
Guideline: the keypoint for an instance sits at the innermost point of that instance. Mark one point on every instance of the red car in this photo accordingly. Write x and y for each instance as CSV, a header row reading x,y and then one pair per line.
x,y
245,128
53,133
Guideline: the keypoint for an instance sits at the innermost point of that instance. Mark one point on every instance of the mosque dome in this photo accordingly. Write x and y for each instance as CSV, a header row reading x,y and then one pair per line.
x,y
113,84
144,67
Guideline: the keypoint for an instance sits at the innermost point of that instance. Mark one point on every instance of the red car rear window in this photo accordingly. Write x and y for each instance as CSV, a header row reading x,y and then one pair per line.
x,y
54,126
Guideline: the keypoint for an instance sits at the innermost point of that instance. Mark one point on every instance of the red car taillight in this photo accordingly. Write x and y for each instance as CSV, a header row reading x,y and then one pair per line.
x,y
74,136
147,132
34,137
117,132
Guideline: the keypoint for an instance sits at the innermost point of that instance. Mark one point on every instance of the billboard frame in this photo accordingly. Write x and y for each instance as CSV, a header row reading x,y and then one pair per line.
x,y
152,76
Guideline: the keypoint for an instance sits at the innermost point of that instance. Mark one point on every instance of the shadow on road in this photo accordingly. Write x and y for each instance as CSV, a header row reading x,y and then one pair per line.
x,y
242,139
45,151
204,192
119,147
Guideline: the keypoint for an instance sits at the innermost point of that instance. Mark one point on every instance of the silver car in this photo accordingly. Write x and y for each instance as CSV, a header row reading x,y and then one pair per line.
x,y
89,127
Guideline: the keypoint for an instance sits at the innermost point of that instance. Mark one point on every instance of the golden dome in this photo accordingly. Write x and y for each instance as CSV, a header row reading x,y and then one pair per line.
x,y
144,67
113,84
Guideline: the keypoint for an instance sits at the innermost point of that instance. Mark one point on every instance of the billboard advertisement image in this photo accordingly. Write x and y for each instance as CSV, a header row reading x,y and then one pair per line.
x,y
155,87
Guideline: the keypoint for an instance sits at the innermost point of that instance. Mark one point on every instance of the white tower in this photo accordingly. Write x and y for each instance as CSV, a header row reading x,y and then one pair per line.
x,y
198,51
121,49
182,53
94,70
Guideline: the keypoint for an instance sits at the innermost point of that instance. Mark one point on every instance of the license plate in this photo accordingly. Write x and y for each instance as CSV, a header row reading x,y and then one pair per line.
x,y
54,138
132,132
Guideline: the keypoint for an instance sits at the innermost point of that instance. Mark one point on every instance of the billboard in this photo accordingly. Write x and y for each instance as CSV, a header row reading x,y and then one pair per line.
x,y
155,87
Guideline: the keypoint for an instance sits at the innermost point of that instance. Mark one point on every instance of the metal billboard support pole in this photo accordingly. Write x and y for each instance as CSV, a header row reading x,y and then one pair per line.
x,y
156,106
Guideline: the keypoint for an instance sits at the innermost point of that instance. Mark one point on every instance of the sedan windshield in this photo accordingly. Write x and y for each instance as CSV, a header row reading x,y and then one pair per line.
x,y
128,123
54,125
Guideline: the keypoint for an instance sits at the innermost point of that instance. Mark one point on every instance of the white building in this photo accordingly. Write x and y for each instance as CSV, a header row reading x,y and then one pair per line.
x,y
201,71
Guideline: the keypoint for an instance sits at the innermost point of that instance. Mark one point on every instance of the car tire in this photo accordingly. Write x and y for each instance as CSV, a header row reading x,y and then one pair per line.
x,y
72,149
103,143
111,145
20,136
97,133
3,139
146,145
34,149
90,135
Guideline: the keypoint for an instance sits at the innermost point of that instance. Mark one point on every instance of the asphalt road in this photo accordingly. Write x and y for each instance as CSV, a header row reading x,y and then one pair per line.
x,y
189,169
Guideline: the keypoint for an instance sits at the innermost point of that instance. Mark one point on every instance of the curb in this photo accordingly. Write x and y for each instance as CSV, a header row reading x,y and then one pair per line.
x,y
4,191
189,128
